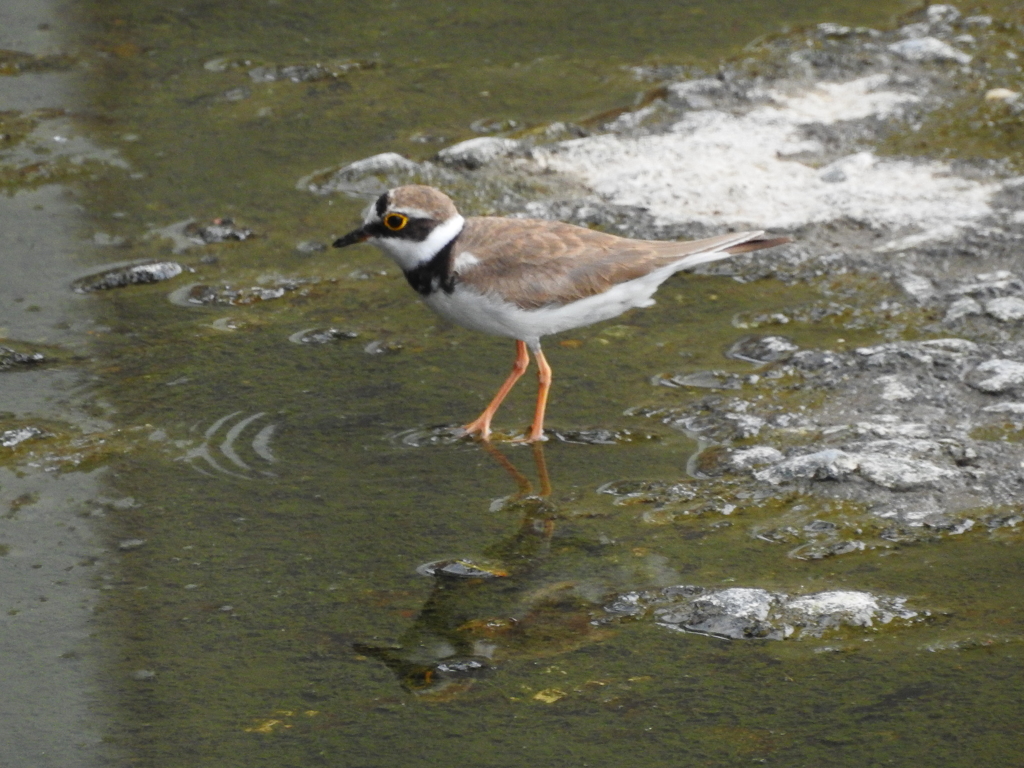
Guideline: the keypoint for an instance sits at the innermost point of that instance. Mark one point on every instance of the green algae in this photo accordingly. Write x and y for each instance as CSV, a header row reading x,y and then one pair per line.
x,y
18,63
969,126
252,596
1005,433
258,584
15,126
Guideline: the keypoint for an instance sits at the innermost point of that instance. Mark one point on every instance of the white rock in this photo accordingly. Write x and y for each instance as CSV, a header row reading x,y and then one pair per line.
x,y
895,390
1017,409
914,31
856,608
892,472
474,153
978,21
830,464
742,613
696,94
742,602
385,162
756,456
999,274
719,168
954,345
746,425
12,437
834,30
892,429
917,286
928,49
629,120
935,234
942,14
1001,94
359,178
898,474
962,308
1006,375
903,447
1007,309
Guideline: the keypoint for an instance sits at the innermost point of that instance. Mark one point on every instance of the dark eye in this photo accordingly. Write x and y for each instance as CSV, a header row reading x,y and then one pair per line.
x,y
395,221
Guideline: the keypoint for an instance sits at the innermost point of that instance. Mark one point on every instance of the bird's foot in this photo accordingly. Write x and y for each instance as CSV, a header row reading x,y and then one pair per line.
x,y
479,428
531,437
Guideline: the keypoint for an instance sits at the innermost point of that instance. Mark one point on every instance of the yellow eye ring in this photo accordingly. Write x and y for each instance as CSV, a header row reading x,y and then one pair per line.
x,y
395,221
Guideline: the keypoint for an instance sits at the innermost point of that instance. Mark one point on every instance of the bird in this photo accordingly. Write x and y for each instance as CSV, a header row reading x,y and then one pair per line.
x,y
525,278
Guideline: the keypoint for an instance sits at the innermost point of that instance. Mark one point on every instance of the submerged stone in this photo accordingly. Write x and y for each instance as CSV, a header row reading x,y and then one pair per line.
x,y
298,73
460,569
702,380
310,247
321,336
736,614
819,551
647,491
119,277
742,613
381,347
200,294
10,358
430,436
599,436
218,231
762,349
830,610
14,437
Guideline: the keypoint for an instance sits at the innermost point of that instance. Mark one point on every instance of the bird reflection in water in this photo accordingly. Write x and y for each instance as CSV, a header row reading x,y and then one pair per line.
x,y
516,603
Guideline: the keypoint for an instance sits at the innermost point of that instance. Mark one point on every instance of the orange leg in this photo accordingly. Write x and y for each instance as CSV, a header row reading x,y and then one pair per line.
x,y
525,487
482,424
543,387
542,470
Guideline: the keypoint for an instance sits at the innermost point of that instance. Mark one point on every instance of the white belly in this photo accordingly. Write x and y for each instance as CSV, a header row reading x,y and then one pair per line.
x,y
491,314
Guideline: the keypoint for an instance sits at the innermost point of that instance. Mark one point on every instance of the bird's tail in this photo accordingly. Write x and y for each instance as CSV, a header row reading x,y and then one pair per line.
x,y
724,246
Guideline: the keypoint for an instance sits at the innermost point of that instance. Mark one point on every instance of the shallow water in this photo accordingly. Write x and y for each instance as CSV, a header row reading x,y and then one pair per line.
x,y
266,504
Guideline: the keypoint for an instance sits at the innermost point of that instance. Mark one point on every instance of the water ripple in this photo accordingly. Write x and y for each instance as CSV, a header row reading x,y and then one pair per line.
x,y
208,456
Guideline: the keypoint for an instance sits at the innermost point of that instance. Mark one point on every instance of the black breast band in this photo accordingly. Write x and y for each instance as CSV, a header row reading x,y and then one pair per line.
x,y
434,274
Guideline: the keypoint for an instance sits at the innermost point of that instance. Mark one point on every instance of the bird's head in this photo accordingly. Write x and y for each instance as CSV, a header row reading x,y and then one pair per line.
x,y
410,224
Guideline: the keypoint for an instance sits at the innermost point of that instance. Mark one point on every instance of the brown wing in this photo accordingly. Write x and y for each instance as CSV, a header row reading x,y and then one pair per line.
x,y
535,263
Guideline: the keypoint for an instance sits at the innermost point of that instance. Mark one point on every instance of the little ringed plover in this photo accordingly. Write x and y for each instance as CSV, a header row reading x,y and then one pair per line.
x,y
525,278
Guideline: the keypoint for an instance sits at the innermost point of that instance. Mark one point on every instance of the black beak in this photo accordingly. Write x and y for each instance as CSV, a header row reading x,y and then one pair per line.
x,y
353,237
